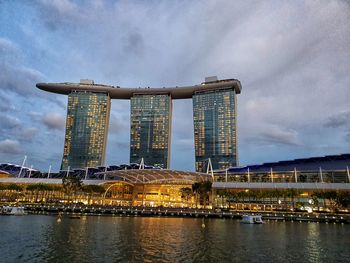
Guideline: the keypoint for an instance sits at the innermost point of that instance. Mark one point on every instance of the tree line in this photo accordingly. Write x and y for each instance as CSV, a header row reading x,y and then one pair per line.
x,y
68,190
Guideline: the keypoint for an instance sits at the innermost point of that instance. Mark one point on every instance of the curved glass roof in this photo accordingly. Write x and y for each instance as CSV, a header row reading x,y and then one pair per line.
x,y
156,176
130,173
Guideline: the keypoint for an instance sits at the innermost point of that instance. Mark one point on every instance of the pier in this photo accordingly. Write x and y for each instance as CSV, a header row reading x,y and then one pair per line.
x,y
185,212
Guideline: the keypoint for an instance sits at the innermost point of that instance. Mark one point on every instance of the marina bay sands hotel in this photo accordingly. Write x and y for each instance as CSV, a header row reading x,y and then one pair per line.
x,y
214,117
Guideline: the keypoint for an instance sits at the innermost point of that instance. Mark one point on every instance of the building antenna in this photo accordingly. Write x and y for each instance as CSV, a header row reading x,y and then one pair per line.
x,y
68,171
24,161
48,174
142,164
104,176
210,169
30,171
271,174
86,172
321,175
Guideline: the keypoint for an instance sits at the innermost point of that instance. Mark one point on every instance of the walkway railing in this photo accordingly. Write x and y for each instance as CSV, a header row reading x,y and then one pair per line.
x,y
321,176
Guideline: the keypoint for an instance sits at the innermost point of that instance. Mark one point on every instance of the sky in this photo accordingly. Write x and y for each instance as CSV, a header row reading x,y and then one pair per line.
x,y
292,58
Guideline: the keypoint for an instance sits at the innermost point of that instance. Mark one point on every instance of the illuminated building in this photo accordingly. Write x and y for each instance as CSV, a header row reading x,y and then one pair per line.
x,y
147,186
215,134
86,129
150,129
214,104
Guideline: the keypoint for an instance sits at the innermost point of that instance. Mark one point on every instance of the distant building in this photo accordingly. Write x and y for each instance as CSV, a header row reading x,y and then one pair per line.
x,y
86,129
329,172
215,133
150,129
214,112
326,163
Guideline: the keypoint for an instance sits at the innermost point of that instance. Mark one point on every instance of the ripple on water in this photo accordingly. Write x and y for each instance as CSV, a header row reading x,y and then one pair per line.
x,y
138,239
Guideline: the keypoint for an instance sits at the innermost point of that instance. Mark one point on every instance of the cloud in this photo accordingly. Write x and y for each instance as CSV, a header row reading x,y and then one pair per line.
x,y
123,145
117,124
8,50
57,12
339,120
53,121
6,104
10,147
292,59
35,116
347,136
20,79
8,122
15,128
28,134
278,135
16,77
185,144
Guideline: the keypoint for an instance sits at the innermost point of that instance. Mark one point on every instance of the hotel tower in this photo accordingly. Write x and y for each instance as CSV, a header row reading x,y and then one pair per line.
x,y
150,129
215,133
86,129
214,116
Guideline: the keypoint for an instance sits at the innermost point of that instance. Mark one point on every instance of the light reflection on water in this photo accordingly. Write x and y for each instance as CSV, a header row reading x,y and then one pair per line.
x,y
152,239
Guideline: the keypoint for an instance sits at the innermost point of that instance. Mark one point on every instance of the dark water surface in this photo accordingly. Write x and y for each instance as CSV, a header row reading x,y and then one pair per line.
x,y
37,238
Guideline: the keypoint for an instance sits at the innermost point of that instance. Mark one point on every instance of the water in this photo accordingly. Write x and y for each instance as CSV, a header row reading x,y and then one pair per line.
x,y
37,238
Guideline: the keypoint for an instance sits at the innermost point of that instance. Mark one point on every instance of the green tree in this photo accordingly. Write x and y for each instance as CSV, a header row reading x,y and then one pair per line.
x,y
71,184
292,193
343,199
92,189
195,190
331,196
186,193
205,190
41,190
15,187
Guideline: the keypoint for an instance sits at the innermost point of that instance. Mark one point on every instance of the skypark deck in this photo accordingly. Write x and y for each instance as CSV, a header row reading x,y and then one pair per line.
x,y
116,92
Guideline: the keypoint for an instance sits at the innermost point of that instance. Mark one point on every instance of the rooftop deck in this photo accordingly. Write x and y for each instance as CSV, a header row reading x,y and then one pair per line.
x,y
116,92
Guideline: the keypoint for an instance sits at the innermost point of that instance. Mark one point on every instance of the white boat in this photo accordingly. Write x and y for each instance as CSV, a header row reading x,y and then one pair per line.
x,y
13,210
249,219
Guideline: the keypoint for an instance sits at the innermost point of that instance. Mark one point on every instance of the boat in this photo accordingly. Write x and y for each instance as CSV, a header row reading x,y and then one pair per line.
x,y
12,210
250,219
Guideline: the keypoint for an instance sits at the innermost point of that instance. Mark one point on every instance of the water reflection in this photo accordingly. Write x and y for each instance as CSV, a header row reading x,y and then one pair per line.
x,y
142,239
313,242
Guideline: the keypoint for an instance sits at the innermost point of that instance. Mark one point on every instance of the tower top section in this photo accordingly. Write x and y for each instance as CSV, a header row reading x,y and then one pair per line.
x,y
116,92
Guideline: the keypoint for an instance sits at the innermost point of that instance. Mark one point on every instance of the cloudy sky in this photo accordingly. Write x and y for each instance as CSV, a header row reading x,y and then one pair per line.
x,y
292,58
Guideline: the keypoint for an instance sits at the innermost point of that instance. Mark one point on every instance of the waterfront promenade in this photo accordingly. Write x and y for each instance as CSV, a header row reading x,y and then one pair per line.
x,y
80,210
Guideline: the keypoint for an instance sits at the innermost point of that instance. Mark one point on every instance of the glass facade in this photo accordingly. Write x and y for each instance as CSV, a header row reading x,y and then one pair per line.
x,y
86,129
150,129
215,136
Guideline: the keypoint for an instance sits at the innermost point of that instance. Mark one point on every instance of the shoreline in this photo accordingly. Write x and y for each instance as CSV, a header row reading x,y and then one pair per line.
x,y
77,210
